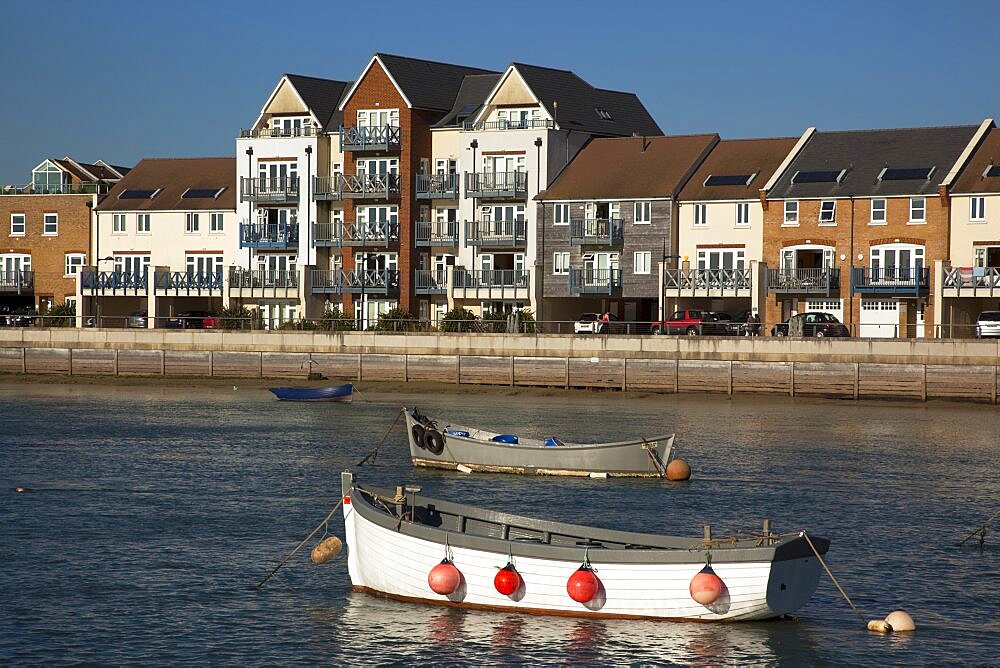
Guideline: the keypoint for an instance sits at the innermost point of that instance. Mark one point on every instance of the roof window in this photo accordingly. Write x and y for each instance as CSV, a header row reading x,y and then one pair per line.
x,y
821,176
730,179
138,194
202,193
604,114
906,173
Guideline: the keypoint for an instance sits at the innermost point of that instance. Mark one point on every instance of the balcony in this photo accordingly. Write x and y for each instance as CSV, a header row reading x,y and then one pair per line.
x,y
115,283
430,281
263,284
89,188
269,235
707,282
597,232
804,281
496,185
437,186
267,133
187,283
379,233
971,282
595,281
17,282
381,138
355,281
902,281
491,284
496,233
525,124
281,190
369,186
439,233
328,188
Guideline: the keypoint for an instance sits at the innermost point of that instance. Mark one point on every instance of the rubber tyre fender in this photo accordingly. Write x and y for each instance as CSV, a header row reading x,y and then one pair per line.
x,y
433,441
418,433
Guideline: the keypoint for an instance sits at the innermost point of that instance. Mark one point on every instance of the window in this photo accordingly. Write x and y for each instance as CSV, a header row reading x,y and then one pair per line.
x,y
896,262
191,222
132,265
378,118
216,222
73,263
878,212
742,214
918,210
642,261
50,223
700,215
142,222
643,212
792,212
204,265
977,208
828,212
561,214
16,224
728,258
560,263
118,222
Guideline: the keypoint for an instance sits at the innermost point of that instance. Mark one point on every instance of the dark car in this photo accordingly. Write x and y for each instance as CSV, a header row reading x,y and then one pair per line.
x,y
193,320
138,320
781,329
815,324
740,327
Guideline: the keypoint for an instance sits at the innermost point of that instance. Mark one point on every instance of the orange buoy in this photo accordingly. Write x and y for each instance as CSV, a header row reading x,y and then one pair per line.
x,y
444,578
582,586
20,490
507,580
677,470
706,587
325,550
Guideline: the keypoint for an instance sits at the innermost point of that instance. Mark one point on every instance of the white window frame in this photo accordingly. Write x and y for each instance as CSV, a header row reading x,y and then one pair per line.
x,y
142,223
15,223
191,222
977,209
642,262
118,223
560,263
74,261
883,209
642,213
828,217
213,261
791,212
743,214
216,222
366,116
54,223
561,213
918,205
701,215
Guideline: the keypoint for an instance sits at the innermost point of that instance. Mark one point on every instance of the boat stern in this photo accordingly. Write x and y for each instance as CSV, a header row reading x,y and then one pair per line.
x,y
347,489
794,575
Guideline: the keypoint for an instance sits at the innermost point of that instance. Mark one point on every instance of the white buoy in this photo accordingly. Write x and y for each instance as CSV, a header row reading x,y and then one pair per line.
x,y
462,468
879,626
602,474
900,620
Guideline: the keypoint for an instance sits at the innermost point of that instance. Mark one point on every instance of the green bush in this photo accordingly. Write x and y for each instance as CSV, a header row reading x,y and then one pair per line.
x,y
63,315
235,317
334,320
498,322
397,320
460,320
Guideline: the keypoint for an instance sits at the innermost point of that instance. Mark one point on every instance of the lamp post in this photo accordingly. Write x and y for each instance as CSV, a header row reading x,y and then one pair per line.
x,y
309,151
474,144
540,252
249,182
364,271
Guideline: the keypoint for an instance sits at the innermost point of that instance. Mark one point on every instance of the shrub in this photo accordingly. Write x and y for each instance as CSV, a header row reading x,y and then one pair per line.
x,y
460,320
334,320
235,317
499,322
63,315
397,320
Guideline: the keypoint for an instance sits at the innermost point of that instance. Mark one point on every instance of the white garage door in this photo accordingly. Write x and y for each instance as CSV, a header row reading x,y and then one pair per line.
x,y
879,318
834,307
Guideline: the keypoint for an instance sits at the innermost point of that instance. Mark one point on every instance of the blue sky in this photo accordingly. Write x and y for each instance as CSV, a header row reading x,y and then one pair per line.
x,y
127,80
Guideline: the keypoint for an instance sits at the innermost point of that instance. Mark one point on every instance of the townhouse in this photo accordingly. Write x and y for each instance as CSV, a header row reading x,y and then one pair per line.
x,y
48,237
854,223
608,225
162,239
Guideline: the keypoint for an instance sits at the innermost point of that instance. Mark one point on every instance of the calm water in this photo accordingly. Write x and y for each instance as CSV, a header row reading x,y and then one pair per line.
x,y
153,512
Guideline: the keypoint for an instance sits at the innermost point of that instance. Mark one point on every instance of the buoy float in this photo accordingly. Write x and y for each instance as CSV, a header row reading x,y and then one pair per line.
x,y
20,490
325,550
879,626
706,587
678,470
900,620
582,586
444,578
507,580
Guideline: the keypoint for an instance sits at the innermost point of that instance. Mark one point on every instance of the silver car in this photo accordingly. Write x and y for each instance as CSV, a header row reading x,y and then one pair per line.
x,y
988,325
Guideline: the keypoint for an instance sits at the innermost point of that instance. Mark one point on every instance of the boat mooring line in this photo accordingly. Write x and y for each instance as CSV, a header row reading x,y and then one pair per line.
x,y
981,530
304,541
374,453
830,573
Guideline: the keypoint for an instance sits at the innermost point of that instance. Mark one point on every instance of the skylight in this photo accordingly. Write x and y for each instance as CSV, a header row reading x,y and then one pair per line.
x,y
604,114
202,193
823,176
730,179
138,194
906,173
992,170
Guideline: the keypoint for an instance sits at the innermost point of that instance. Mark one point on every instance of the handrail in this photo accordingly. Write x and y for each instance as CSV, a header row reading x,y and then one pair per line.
x,y
707,279
266,278
354,138
490,278
274,234
890,279
443,186
594,280
375,232
17,280
610,231
496,232
436,233
789,280
263,133
113,280
188,280
269,189
510,184
370,185
430,279
518,124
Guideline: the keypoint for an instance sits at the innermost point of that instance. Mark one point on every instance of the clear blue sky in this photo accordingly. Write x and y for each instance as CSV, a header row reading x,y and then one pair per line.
x,y
127,80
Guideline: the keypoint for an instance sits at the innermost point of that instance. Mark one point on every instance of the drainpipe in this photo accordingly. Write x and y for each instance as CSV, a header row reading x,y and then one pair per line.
x,y
850,274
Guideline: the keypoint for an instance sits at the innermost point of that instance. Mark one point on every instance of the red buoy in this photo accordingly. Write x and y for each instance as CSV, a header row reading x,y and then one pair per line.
x,y
582,586
507,580
706,587
444,578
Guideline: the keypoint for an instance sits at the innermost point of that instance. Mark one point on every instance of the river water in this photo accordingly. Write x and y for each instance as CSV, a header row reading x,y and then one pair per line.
x,y
152,512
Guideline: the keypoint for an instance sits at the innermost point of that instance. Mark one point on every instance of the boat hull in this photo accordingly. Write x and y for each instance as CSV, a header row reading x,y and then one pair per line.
x,y
341,393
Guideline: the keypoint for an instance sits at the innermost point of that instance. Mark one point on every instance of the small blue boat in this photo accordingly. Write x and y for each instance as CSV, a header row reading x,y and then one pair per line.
x,y
335,393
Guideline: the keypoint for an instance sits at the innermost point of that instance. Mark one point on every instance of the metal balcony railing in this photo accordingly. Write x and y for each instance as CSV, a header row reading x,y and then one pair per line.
x,y
17,281
891,280
377,138
496,185
328,187
264,133
281,190
378,233
372,281
114,281
813,281
437,186
595,281
262,278
365,186
496,233
269,235
696,282
187,282
603,231
88,188
430,281
519,124
971,281
436,233
490,278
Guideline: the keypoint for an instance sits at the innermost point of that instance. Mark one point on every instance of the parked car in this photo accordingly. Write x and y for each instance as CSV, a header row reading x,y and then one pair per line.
x,y
137,320
19,317
693,322
780,329
193,320
592,323
816,324
988,324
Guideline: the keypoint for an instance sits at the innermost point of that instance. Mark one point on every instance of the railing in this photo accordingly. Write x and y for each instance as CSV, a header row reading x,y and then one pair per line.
x,y
17,281
187,282
114,281
436,233
519,124
609,231
595,281
430,281
263,283
490,283
269,235
496,185
437,186
307,131
89,188
380,138
283,189
360,186
891,280
824,281
372,281
378,233
971,281
328,187
490,233
695,282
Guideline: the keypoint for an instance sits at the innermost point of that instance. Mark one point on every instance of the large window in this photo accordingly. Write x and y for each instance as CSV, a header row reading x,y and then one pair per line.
x,y
204,265
560,263
878,212
722,258
50,223
742,214
896,262
700,215
378,118
135,265
48,178
73,263
918,210
142,223
792,212
828,212
17,224
118,223
561,214
643,213
977,209
641,262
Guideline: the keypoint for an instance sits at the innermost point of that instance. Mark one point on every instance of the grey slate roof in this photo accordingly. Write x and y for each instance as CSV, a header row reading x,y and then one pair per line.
x,y
427,84
473,92
865,153
322,96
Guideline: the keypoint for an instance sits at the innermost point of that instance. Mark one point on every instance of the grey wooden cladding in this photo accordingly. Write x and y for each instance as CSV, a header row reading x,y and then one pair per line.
x,y
140,362
236,365
762,377
477,370
965,382
285,365
187,363
93,362
891,380
12,360
383,367
828,379
703,376
651,374
545,371
432,368
47,360
596,372
337,366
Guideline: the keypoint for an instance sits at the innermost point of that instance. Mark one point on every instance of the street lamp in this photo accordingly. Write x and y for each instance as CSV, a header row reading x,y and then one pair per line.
x,y
540,253
309,151
249,183
474,144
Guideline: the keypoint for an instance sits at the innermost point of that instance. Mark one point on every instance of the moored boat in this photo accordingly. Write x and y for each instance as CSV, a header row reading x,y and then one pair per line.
x,y
413,548
451,446
333,393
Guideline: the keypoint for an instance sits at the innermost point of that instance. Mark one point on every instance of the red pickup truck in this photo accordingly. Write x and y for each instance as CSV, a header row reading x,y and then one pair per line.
x,y
694,321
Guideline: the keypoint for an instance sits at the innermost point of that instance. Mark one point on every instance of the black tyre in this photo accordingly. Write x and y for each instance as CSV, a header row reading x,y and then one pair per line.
x,y
692,331
418,435
433,441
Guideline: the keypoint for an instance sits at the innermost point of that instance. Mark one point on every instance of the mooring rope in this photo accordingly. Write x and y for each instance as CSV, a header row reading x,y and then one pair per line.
x,y
830,573
981,529
374,453
299,546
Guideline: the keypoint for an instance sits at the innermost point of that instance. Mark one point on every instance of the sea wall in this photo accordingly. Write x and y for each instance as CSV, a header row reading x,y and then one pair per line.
x,y
854,368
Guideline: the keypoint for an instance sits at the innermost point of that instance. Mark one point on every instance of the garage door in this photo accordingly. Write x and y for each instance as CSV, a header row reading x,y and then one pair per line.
x,y
879,318
834,307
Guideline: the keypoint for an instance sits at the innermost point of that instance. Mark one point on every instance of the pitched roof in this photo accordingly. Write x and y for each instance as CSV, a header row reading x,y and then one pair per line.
x,y
322,96
973,178
626,167
425,83
864,154
756,158
471,96
172,177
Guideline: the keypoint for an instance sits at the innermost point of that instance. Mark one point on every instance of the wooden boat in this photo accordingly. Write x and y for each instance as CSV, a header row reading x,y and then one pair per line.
x,y
413,548
333,393
480,450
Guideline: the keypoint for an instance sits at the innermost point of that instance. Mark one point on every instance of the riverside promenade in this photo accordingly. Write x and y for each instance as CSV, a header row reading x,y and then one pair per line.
x,y
913,369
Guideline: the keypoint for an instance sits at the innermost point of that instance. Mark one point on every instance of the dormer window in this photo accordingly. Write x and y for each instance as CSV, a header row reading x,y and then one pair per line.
x,y
48,178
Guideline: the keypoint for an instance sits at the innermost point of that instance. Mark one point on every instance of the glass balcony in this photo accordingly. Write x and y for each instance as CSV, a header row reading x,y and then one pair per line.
x,y
598,231
17,282
496,185
379,138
